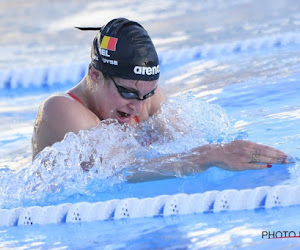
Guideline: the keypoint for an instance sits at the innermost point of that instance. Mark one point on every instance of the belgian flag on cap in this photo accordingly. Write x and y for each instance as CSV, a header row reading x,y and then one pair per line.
x,y
109,43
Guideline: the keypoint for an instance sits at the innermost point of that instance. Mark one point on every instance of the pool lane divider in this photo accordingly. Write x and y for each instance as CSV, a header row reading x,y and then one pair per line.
x,y
55,75
164,205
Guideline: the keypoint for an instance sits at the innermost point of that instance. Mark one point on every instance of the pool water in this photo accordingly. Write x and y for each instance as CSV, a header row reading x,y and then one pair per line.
x,y
230,70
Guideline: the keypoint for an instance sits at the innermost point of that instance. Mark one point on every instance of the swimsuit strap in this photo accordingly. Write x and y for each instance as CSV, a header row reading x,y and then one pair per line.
x,y
75,97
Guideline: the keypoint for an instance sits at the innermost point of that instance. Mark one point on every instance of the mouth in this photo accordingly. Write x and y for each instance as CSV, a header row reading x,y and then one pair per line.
x,y
123,117
123,114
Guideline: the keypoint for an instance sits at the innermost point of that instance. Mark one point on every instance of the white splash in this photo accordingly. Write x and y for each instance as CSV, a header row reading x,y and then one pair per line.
x,y
109,150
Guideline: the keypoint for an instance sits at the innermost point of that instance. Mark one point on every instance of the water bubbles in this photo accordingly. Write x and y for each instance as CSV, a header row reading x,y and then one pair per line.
x,y
187,122
94,160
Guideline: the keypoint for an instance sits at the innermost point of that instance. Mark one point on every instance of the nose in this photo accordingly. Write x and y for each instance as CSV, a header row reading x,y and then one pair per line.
x,y
136,105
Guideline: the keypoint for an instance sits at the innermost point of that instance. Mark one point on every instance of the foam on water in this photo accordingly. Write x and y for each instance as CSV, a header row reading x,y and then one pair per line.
x,y
112,151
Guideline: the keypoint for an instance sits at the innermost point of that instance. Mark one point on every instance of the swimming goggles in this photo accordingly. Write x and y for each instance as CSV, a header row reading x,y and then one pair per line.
x,y
130,94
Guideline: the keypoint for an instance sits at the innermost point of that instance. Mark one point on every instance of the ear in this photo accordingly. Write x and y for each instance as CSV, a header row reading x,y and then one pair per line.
x,y
95,74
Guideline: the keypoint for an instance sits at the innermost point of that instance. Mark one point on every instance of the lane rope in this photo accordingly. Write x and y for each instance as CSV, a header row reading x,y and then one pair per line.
x,y
163,205
73,73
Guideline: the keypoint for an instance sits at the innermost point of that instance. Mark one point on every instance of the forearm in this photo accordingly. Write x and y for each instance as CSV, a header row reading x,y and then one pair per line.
x,y
176,165
234,156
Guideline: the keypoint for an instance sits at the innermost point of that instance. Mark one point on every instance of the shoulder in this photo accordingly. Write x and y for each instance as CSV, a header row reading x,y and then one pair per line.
x,y
63,109
57,116
61,99
156,101
152,105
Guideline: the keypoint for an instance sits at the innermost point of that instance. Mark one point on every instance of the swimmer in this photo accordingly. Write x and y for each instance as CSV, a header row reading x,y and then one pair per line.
x,y
122,84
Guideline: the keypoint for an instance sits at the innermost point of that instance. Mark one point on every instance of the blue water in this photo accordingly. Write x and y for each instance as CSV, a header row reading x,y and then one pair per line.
x,y
240,55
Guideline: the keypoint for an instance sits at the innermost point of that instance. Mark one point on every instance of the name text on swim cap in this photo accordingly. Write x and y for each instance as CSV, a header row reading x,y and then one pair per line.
x,y
139,70
112,62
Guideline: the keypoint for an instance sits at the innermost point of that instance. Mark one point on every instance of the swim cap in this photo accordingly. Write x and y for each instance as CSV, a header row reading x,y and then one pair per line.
x,y
124,49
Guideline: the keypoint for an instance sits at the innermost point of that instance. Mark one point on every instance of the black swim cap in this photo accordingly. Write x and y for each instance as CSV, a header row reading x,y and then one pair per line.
x,y
124,49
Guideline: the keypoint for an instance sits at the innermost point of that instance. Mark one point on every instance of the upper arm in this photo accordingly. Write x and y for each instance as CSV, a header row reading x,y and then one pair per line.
x,y
156,101
57,116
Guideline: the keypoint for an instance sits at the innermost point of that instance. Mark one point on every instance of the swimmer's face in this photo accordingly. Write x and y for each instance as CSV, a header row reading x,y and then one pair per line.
x,y
124,99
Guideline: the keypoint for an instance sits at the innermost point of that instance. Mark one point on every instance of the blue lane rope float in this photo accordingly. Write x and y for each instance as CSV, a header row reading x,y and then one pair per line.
x,y
163,205
72,73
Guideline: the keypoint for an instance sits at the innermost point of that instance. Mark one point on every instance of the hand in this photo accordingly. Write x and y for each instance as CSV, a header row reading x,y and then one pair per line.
x,y
242,155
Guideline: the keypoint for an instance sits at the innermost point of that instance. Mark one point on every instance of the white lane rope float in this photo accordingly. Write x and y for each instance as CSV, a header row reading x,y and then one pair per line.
x,y
72,73
164,205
